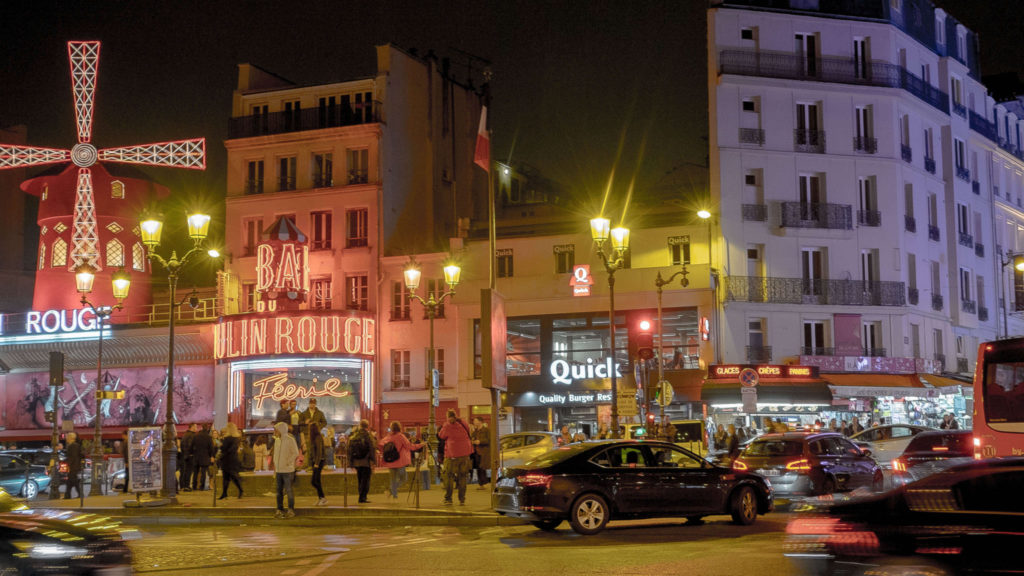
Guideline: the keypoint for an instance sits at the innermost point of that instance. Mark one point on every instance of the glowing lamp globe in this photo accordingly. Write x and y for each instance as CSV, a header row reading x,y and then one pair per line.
x,y
85,275
151,230
198,226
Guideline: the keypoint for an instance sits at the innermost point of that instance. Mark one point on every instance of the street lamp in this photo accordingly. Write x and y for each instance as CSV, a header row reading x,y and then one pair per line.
x,y
705,215
659,283
613,260
85,275
1017,258
412,273
151,228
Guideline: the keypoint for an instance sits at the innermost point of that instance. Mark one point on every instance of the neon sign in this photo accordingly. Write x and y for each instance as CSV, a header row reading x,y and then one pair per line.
x,y
564,373
581,280
249,335
55,321
764,371
275,388
282,267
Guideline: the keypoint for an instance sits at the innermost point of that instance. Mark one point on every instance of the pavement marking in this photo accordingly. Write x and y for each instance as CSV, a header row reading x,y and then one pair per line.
x,y
324,565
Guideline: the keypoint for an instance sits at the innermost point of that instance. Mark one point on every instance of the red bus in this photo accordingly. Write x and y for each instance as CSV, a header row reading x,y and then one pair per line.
x,y
999,399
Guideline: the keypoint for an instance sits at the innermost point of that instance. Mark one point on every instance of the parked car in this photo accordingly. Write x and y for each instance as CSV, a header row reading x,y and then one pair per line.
x,y
692,435
964,519
808,463
927,448
521,447
590,483
37,456
49,542
19,477
888,441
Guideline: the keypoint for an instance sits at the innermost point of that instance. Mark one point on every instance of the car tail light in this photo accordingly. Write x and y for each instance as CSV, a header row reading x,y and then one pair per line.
x,y
739,465
835,534
535,480
940,448
977,448
899,465
801,464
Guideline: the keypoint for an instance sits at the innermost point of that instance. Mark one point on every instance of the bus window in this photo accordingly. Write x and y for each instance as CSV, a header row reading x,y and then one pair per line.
x,y
1004,392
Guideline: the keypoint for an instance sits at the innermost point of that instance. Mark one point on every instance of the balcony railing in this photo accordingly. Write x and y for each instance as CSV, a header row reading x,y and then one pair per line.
x,y
253,187
755,212
357,176
1011,148
976,187
912,294
286,183
817,351
960,110
865,144
979,249
965,239
837,69
933,232
907,153
814,291
982,314
809,141
752,136
323,181
356,242
941,359
929,164
817,215
759,354
982,126
969,306
306,119
909,223
962,365
874,352
963,173
937,302
869,218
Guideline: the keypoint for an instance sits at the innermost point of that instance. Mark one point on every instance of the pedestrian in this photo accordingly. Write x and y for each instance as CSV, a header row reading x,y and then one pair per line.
x,y
246,455
844,428
73,457
188,462
481,438
564,437
602,432
285,454
396,455
329,446
295,420
855,426
203,451
949,423
125,452
229,460
733,442
458,447
261,451
317,459
283,414
361,455
440,455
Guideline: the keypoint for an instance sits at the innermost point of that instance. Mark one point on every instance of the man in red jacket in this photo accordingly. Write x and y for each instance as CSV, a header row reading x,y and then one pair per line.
x,y
457,449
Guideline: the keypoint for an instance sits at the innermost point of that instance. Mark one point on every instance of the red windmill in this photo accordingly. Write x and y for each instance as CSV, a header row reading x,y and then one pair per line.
x,y
79,226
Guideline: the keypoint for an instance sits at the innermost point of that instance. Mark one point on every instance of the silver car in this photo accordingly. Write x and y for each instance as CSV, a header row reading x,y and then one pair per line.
x,y
521,447
887,442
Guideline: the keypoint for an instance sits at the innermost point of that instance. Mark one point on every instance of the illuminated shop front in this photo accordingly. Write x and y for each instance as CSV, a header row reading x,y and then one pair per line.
x,y
747,394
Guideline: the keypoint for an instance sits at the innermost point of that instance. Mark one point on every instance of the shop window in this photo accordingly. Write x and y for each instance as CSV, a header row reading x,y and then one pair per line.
x,y
565,258
504,263
522,357
356,292
357,224
399,369
320,293
115,254
399,301
321,224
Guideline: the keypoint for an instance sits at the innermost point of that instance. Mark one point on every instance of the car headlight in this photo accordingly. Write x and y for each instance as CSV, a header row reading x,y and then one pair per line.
x,y
48,549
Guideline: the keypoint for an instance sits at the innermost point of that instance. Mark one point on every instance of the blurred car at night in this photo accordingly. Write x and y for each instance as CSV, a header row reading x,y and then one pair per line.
x,y
965,518
59,542
888,441
20,478
929,448
521,447
590,483
810,463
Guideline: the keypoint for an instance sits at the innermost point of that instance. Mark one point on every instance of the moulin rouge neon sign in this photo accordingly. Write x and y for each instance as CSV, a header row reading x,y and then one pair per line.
x,y
296,333
278,389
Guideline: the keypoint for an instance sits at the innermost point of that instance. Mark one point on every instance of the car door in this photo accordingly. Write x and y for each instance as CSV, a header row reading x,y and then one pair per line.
x,y
12,473
859,467
633,486
687,483
825,461
512,450
894,441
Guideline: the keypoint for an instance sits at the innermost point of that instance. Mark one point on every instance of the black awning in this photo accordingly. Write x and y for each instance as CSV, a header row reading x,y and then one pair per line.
x,y
782,392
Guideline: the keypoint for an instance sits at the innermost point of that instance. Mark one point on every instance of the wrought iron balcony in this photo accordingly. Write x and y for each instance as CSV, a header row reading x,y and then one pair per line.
x,y
982,126
357,176
286,183
323,181
874,352
933,232
759,354
965,239
253,187
356,242
969,306
817,351
809,141
929,164
755,212
869,218
982,314
979,249
912,294
963,173
909,223
907,153
941,359
937,302
976,187
752,136
962,365
959,109
306,119
814,291
865,144
817,215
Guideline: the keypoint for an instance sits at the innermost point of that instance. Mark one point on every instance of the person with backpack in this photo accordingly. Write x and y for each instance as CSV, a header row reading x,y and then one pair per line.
x,y
317,459
361,456
457,448
396,453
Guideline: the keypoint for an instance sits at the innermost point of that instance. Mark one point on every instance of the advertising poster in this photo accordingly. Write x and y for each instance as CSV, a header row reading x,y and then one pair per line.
x,y
145,466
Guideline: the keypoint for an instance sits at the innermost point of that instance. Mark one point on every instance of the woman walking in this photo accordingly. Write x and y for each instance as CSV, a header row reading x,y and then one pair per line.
x,y
229,463
401,452
317,459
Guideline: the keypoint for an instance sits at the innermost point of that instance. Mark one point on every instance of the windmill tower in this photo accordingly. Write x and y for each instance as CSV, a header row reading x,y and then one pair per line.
x,y
87,213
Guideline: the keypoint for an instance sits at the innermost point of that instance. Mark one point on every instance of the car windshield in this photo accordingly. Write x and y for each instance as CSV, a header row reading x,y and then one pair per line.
x,y
555,456
774,448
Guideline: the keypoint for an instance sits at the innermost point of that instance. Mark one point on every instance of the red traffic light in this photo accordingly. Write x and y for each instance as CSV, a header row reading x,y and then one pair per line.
x,y
650,417
645,325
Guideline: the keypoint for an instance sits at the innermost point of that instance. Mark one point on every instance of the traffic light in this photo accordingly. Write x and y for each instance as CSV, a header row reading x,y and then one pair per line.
x,y
645,341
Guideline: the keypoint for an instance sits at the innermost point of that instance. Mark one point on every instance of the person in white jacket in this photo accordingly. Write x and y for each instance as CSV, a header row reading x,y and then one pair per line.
x,y
285,453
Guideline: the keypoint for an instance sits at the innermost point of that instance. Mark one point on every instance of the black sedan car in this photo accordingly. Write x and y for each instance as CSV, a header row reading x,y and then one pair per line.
x,y
590,483
963,519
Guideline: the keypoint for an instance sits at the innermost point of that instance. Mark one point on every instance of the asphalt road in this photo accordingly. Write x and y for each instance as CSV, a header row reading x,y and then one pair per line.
x,y
649,547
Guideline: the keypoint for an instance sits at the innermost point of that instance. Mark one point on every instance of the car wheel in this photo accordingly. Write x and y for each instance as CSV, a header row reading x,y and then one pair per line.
x,y
828,486
589,514
878,483
547,525
30,489
744,506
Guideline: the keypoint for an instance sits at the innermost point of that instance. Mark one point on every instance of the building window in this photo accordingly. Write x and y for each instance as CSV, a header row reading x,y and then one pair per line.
x,y
358,165
439,366
399,369
679,249
321,224
138,257
115,254
814,338
286,173
871,334
504,263
320,297
356,292
323,170
292,115
357,224
248,297
749,105
254,178
940,30
117,190
252,228
812,263
746,34
59,254
861,58
965,285
565,258
399,301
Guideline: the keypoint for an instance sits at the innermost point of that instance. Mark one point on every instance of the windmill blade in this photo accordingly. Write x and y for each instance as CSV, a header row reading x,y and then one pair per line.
x,y
84,236
85,58
12,156
180,153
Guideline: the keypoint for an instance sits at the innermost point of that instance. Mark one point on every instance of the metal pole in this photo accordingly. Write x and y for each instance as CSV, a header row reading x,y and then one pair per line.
x,y
97,442
1002,285
661,357
431,306
170,450
611,334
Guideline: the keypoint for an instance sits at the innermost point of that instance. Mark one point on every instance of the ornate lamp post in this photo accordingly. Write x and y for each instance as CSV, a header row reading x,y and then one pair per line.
x,y
198,227
613,260
452,274
659,283
85,275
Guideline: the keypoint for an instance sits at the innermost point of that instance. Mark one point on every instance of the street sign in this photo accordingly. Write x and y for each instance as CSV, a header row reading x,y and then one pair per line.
x,y
110,394
665,392
749,378
627,403
435,379
749,399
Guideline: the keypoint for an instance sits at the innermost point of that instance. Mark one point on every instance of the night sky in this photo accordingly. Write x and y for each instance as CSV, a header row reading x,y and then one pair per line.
x,y
580,88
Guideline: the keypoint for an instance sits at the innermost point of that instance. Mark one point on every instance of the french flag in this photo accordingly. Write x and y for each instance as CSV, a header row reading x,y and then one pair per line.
x,y
482,158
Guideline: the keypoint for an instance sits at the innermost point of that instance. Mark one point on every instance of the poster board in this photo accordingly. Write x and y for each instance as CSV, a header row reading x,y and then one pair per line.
x,y
145,462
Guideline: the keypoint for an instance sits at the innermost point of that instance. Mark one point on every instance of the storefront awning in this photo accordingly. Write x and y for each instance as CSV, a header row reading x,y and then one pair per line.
x,y
717,392
876,385
942,381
